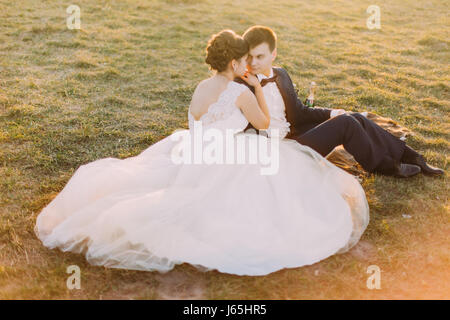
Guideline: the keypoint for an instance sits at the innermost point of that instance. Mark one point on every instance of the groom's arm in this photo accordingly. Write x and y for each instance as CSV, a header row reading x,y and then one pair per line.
x,y
308,115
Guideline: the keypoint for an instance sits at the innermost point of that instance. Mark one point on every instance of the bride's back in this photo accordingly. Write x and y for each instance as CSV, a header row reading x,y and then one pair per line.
x,y
206,93
214,103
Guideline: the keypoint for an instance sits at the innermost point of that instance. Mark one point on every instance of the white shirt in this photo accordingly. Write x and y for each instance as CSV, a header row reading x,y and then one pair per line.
x,y
275,104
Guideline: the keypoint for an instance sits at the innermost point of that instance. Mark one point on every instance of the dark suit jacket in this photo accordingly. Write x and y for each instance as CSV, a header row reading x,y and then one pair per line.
x,y
301,117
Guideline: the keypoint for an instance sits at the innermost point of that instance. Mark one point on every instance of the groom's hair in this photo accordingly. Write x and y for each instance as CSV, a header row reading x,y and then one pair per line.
x,y
260,34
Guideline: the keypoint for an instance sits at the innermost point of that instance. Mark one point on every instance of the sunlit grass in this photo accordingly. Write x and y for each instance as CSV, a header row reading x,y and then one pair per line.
x,y
124,81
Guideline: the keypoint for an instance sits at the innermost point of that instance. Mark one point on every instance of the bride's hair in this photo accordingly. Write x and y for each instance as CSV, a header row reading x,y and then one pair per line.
x,y
224,47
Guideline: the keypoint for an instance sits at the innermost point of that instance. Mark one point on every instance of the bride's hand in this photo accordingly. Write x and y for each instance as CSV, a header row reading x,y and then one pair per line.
x,y
250,79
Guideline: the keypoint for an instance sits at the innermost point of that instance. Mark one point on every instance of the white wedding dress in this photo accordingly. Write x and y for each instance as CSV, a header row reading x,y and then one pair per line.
x,y
149,213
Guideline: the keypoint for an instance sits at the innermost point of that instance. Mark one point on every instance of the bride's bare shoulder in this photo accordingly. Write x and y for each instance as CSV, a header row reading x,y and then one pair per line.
x,y
204,89
205,85
202,97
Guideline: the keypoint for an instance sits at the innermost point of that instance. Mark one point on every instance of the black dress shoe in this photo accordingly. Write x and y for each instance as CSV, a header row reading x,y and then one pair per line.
x,y
404,170
426,168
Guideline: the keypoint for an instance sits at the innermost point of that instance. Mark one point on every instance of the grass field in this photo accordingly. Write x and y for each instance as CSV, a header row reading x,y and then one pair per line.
x,y
124,81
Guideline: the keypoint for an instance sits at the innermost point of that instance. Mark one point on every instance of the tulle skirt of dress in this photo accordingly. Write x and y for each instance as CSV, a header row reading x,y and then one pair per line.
x,y
148,213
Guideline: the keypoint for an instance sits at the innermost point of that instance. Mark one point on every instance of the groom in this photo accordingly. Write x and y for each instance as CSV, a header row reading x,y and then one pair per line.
x,y
375,149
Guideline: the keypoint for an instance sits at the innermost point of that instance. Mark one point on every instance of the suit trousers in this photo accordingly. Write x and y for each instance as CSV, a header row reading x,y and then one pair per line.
x,y
374,148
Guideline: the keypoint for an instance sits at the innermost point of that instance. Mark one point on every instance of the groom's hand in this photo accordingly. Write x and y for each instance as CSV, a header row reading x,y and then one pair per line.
x,y
336,112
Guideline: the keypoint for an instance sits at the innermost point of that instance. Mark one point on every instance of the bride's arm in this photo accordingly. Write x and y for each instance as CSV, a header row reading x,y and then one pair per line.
x,y
261,100
256,114
255,109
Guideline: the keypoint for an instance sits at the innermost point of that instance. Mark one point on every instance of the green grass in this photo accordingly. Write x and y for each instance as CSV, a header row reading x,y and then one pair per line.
x,y
124,81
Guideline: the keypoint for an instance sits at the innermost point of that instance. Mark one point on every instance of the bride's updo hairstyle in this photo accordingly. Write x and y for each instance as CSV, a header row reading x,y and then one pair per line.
x,y
224,47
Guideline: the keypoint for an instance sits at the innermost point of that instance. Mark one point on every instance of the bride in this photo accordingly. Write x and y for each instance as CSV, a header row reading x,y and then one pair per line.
x,y
150,212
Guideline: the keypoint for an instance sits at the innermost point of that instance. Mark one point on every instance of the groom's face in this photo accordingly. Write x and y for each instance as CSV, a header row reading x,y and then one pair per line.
x,y
260,59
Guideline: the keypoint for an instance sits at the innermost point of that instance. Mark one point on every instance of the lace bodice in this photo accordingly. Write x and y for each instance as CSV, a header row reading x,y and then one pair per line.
x,y
224,114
